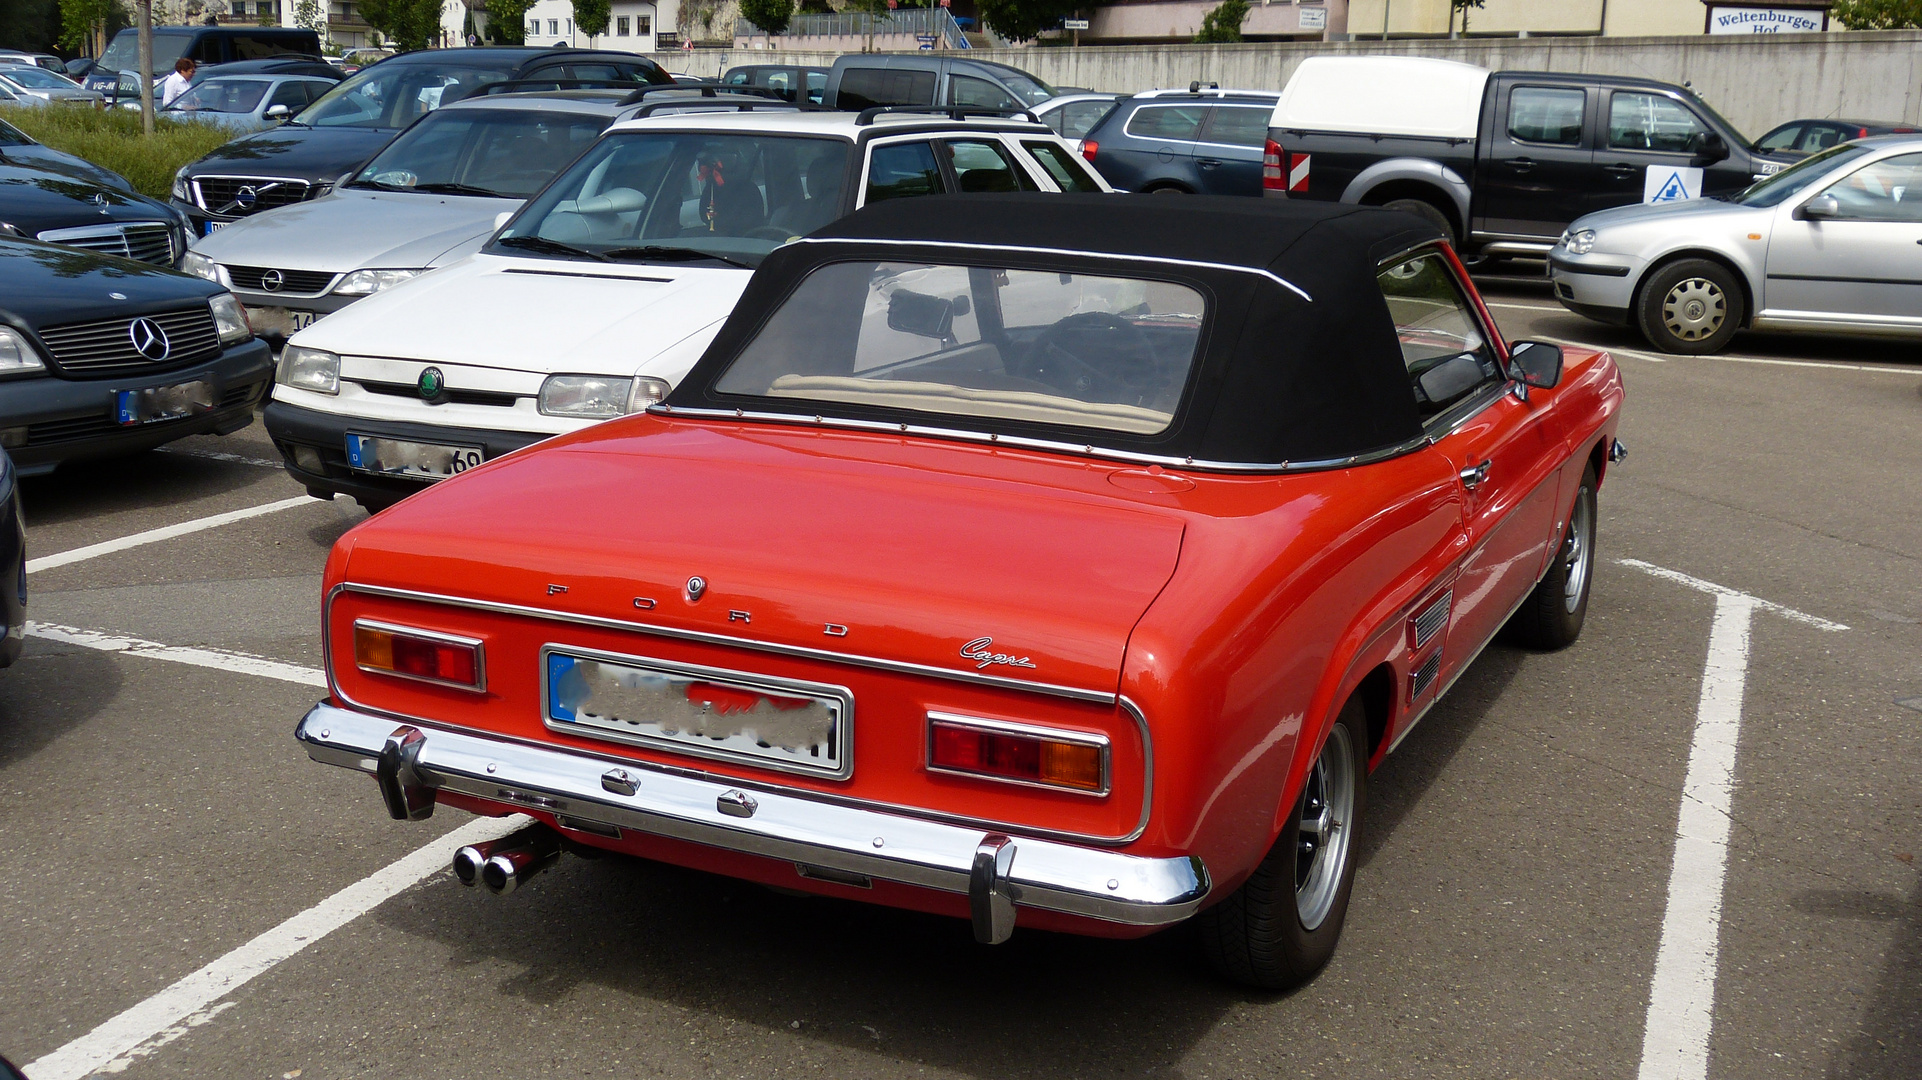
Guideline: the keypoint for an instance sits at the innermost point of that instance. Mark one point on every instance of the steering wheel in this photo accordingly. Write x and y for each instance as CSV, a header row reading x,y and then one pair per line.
x,y
1095,356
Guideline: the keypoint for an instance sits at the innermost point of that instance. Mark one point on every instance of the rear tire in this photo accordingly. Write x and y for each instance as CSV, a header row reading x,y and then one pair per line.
x,y
1169,189
1552,616
1690,306
1279,929
1428,212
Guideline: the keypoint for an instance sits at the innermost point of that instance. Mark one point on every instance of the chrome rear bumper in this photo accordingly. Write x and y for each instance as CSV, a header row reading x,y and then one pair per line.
x,y
997,872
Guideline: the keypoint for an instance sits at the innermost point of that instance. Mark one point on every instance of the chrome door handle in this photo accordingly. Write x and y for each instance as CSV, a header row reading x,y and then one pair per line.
x,y
1473,476
1521,164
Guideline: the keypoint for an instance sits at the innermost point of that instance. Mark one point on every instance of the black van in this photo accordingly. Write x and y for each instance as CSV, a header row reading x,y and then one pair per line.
x,y
863,81
204,45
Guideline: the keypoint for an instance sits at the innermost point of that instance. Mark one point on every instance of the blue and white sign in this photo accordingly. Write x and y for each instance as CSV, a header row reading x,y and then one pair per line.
x,y
1670,183
1742,19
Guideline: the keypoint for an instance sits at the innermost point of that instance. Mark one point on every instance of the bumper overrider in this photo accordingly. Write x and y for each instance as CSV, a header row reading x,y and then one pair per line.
x,y
997,872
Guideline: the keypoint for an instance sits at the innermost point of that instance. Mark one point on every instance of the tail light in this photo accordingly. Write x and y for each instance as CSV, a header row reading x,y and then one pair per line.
x,y
419,654
1017,753
1271,177
1089,148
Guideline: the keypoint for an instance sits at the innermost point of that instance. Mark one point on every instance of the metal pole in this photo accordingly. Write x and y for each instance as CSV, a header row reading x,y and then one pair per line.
x,y
144,10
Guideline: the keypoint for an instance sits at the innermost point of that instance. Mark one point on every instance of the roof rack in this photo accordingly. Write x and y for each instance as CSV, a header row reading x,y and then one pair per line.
x,y
952,112
1208,89
707,89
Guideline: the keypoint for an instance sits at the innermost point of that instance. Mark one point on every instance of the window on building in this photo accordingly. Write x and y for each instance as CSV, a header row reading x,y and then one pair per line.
x,y
620,27
534,28
554,27
643,24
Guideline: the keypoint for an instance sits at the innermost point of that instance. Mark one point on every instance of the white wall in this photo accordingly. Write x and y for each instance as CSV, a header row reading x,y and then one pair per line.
x,y
556,23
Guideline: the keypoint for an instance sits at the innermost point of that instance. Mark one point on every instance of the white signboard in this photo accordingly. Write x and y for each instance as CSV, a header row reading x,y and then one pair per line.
x,y
1766,20
1670,183
1074,24
1314,18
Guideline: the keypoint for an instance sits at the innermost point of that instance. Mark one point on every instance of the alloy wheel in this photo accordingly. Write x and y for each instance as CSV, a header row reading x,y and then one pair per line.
x,y
1322,841
1578,550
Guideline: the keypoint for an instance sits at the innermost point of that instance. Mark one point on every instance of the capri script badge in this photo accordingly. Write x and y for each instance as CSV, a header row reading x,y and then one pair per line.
x,y
978,650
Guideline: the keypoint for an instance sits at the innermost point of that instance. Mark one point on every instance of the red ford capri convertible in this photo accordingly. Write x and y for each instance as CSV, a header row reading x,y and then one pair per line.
x,y
1054,562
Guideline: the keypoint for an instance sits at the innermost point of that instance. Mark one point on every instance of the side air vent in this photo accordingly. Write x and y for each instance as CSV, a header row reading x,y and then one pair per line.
x,y
1424,675
1431,619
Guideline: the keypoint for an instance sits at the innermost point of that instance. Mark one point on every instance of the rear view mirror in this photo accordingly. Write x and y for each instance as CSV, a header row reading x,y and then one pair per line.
x,y
1822,206
920,315
1535,363
1450,379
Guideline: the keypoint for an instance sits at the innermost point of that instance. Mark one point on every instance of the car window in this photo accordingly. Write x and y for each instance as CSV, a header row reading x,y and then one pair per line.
x,y
1650,122
985,165
903,169
1237,125
966,90
1449,359
1782,138
1043,347
1167,122
1886,190
864,88
1773,190
1075,119
511,154
222,96
38,78
1062,165
123,53
1546,114
394,96
1822,136
291,94
260,48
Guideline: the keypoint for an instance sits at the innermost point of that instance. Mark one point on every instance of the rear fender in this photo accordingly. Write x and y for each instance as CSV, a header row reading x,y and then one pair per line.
x,y
1446,182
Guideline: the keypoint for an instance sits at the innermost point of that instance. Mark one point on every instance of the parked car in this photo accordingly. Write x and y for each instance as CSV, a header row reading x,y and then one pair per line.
x,y
1202,140
429,198
45,60
244,103
863,80
104,356
1072,116
601,292
54,196
303,158
8,97
13,576
796,83
1828,245
208,46
1800,138
1040,562
1502,160
26,80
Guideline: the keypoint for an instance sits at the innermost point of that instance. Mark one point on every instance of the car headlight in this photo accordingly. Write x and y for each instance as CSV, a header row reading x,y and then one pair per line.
x,y
1579,242
193,262
180,184
230,319
17,354
646,392
590,397
309,369
368,282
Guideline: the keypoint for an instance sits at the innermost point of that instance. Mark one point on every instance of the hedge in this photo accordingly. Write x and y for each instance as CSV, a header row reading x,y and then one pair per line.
x,y
111,138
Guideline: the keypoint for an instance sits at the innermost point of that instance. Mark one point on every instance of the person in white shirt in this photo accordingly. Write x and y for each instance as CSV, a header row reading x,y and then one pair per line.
x,y
176,84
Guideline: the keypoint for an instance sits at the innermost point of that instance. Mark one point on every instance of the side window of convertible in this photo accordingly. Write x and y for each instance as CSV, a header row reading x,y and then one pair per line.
x,y
1449,359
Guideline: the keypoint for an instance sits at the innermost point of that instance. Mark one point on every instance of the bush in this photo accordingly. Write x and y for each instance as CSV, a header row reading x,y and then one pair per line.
x,y
111,139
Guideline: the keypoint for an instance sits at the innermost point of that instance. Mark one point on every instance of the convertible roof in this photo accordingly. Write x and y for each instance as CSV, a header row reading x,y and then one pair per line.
x,y
1300,363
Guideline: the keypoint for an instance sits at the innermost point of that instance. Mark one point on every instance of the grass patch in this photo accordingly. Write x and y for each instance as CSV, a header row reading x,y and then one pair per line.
x,y
111,139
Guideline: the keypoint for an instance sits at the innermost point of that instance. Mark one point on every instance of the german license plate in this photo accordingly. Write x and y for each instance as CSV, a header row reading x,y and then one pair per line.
x,y
132,407
775,723
279,321
214,227
398,457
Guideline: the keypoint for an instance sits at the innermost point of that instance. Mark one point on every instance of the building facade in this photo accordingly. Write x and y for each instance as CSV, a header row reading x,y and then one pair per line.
x,y
635,25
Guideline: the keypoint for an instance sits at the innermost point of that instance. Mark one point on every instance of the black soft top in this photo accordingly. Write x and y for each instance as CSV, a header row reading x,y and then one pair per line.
x,y
1299,364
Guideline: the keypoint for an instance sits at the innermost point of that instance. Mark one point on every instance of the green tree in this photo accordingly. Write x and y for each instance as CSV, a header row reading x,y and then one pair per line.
x,y
85,23
410,24
1878,14
591,16
1462,6
507,21
1023,20
310,15
772,16
1222,26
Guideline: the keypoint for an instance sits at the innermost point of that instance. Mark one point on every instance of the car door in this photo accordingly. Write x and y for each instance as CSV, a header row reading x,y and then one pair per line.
x,y
1863,262
1503,450
1160,147
1228,156
1537,163
1651,139
901,168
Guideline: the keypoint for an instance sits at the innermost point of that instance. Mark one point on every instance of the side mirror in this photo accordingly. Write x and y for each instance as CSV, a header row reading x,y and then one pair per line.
x,y
920,315
1450,379
1709,146
279,112
501,219
1822,206
1535,363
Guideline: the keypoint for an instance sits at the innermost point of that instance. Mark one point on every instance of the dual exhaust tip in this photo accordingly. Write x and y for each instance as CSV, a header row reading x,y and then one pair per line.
x,y
501,866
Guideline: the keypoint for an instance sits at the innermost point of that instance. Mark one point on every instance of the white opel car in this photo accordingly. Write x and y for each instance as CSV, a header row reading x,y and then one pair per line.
x,y
607,285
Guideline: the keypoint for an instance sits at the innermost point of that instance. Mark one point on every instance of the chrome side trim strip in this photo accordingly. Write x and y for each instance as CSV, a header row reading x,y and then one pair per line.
x,y
1076,880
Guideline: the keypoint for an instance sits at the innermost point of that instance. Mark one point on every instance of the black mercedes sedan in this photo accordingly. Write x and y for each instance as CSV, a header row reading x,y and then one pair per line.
x,y
46,194
102,356
302,158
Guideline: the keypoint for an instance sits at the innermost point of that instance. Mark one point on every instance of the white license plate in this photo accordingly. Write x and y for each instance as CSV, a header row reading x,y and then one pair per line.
x,y
281,322
213,227
163,402
398,457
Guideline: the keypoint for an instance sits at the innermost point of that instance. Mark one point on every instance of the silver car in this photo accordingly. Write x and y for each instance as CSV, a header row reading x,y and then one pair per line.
x,y
1828,244
244,103
24,80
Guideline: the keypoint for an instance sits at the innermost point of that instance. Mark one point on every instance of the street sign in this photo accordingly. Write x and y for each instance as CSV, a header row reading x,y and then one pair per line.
x,y
1074,24
1314,18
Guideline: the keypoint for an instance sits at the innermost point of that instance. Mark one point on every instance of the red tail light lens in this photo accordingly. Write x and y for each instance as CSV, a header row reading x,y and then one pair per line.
x,y
1089,148
1063,759
1271,177
419,654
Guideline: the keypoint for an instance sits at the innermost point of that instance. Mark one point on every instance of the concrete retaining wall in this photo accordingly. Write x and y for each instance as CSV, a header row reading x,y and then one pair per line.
x,y
1757,81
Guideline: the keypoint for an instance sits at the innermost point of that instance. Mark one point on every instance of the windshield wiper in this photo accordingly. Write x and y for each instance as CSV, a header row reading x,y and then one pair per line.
x,y
458,189
551,247
671,254
379,186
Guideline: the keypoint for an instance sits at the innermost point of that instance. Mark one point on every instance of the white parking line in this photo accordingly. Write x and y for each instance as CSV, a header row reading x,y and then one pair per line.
x,y
167,532
218,659
1681,999
170,1013
1524,307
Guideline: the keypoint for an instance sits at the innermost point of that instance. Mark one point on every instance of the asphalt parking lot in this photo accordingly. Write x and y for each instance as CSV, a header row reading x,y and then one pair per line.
x,y
1518,904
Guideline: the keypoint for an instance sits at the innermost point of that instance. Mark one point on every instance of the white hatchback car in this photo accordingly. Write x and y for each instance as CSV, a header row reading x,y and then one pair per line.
x,y
607,286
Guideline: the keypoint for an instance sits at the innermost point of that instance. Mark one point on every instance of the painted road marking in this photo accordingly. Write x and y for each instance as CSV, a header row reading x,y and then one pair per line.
x,y
168,532
1681,998
186,1004
1526,307
218,659
215,455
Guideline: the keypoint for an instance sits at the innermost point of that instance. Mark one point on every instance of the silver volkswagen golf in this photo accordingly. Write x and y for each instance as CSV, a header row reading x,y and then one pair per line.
x,y
1831,244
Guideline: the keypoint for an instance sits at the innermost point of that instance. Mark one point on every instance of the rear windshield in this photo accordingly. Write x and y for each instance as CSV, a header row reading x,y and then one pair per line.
x,y
935,342
394,96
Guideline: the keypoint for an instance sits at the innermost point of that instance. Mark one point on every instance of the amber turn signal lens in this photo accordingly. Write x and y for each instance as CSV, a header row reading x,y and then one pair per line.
x,y
1011,755
415,655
